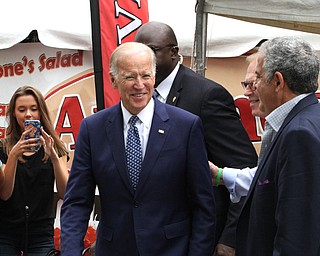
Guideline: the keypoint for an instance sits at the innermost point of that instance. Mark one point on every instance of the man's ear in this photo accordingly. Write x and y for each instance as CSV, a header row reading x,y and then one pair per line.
x,y
175,52
113,81
279,80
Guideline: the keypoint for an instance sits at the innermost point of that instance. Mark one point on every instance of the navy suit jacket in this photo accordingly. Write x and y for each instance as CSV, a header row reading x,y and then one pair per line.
x,y
172,212
281,213
227,141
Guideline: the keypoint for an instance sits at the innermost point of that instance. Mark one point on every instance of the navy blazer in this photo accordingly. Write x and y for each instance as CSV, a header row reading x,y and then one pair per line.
x,y
281,213
227,141
172,212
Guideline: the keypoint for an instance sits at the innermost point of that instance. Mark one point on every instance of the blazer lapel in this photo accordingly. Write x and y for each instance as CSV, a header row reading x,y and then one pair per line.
x,y
157,137
176,87
114,130
305,102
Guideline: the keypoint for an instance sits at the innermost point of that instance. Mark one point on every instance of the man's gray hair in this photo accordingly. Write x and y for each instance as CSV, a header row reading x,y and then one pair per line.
x,y
295,59
126,49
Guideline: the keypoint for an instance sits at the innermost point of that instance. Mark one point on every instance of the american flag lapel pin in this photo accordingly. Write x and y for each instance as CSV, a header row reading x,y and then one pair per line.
x,y
161,131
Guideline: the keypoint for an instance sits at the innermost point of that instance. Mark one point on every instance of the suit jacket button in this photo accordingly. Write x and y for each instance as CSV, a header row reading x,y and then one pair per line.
x,y
136,204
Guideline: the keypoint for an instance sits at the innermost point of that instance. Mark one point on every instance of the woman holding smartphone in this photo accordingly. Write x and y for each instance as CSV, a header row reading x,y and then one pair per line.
x,y
27,195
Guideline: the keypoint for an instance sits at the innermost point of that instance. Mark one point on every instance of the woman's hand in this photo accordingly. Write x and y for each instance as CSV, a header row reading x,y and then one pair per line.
x,y
48,144
23,145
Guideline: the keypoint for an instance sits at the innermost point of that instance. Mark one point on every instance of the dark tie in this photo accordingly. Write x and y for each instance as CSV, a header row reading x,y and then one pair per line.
x,y
266,139
133,152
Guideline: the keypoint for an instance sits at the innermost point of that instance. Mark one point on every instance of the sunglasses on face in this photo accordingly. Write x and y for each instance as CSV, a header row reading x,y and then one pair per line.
x,y
157,49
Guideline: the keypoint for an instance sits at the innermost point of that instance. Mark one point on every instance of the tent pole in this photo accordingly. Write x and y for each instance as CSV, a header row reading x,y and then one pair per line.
x,y
201,37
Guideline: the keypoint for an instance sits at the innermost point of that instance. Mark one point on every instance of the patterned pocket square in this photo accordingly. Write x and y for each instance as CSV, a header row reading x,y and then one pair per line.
x,y
263,182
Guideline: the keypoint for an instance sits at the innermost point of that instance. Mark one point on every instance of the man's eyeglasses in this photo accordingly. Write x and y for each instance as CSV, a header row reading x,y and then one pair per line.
x,y
249,84
156,49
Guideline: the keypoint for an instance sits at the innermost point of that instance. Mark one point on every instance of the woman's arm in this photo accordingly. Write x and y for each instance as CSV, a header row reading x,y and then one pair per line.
x,y
9,169
59,163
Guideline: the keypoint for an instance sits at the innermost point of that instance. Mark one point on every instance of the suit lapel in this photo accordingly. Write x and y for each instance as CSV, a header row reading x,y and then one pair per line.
x,y
176,87
307,101
114,130
157,137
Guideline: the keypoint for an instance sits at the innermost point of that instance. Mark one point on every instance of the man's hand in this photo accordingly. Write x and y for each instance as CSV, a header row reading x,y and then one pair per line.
x,y
224,250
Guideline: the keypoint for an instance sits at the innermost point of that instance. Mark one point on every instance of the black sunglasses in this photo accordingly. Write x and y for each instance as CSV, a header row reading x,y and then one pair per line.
x,y
156,49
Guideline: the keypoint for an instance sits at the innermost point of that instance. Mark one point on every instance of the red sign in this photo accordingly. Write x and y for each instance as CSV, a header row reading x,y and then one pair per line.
x,y
119,21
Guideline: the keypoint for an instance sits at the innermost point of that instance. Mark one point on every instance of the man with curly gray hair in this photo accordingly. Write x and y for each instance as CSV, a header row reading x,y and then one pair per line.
x,y
282,209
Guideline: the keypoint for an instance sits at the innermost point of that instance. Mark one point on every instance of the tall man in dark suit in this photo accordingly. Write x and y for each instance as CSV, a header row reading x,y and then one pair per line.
x,y
226,140
166,205
282,209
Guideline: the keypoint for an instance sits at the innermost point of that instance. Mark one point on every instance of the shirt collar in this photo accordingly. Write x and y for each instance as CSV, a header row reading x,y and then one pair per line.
x,y
145,115
277,116
164,87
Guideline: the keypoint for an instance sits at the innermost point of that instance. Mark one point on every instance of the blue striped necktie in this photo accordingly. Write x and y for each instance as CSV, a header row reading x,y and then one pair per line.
x,y
133,152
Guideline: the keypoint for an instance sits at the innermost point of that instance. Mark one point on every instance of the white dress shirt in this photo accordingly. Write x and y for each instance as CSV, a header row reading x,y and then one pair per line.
x,y
164,87
238,181
143,124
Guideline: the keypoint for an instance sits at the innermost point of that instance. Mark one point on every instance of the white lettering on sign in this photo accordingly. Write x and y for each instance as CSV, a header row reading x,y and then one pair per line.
x,y
131,26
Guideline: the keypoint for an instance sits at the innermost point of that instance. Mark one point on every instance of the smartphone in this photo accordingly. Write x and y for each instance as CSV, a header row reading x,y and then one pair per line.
x,y
35,132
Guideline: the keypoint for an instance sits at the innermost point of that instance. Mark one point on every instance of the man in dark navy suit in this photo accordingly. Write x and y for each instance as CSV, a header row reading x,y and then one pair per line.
x,y
282,208
166,206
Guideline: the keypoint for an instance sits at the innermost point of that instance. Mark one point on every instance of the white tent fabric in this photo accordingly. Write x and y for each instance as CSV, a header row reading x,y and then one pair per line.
x,y
297,15
67,24
236,37
226,37
60,23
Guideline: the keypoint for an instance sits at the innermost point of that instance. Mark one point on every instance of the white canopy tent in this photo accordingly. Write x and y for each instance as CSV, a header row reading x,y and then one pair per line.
x,y
224,37
295,15
291,14
59,23
67,24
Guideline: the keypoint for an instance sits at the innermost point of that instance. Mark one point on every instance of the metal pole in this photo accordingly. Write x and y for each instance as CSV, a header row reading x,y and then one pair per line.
x,y
201,37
